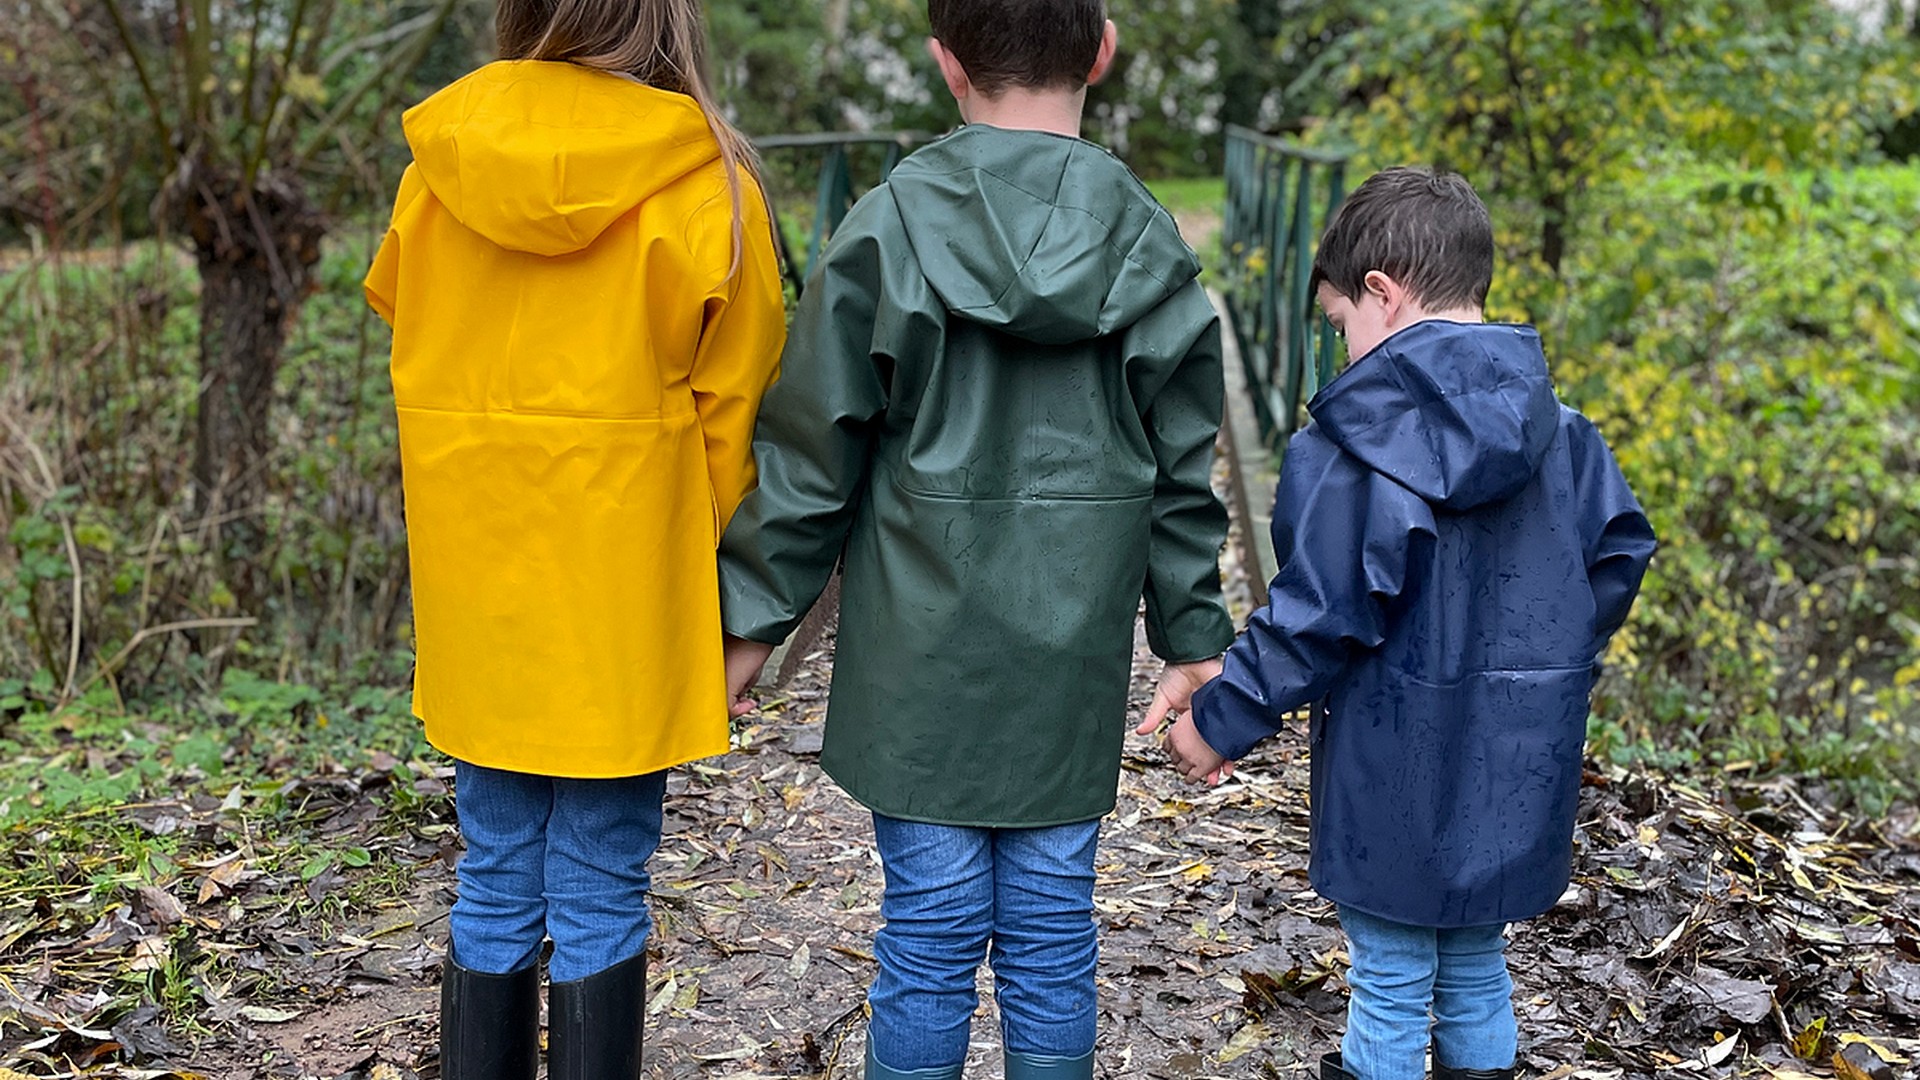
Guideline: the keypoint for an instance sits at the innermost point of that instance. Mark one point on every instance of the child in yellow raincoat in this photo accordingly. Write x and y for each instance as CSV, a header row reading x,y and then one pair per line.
x,y
586,309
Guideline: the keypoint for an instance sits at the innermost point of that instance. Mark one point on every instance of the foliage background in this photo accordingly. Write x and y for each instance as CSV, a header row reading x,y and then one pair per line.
x,y
1697,204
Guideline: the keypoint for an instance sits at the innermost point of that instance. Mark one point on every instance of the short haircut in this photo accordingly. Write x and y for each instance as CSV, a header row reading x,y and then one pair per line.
x,y
1033,44
1426,230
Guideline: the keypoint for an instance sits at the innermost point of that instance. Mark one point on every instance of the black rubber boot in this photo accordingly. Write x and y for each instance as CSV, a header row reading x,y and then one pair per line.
x,y
593,1024
1441,1072
489,1024
1331,1068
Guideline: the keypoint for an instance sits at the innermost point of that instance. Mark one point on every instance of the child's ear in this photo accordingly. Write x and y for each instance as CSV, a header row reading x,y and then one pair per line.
x,y
1391,294
1103,60
951,72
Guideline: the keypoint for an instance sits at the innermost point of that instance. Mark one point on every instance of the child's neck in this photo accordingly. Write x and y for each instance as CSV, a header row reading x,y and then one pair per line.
x,y
1055,111
1414,314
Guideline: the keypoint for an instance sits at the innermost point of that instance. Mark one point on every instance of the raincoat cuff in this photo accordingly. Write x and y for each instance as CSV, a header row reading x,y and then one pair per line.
x,y
1191,640
1222,724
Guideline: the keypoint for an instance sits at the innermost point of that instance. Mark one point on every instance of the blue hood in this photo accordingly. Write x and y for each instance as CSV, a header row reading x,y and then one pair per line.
x,y
1459,413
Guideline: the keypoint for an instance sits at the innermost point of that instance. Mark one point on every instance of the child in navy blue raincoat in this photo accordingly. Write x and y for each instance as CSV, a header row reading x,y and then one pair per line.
x,y
1456,548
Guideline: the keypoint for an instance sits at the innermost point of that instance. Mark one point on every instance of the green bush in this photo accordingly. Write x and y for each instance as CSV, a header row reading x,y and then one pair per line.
x,y
103,347
1750,344
1686,203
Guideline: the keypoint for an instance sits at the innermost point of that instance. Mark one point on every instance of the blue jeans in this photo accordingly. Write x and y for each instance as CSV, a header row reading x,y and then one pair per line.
x,y
1021,898
1404,977
553,857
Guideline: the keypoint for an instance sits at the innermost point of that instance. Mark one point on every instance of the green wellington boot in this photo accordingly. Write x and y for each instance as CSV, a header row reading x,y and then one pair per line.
x,y
1441,1072
1049,1067
593,1024
489,1024
878,1071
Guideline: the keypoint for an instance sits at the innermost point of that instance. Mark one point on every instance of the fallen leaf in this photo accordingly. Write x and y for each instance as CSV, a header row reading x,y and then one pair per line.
x,y
1882,1052
160,905
1721,1050
1244,1041
1745,1000
1856,1062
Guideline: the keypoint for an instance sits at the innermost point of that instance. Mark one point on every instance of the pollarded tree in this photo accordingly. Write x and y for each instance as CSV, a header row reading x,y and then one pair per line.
x,y
260,112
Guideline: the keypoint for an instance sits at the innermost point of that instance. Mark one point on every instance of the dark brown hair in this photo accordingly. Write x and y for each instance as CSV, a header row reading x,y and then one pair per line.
x,y
1033,44
1426,230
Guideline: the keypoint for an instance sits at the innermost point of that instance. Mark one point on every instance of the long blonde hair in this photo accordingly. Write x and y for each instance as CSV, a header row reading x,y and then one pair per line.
x,y
662,43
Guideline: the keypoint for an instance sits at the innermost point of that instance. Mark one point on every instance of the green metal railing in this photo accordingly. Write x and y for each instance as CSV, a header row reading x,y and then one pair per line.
x,y
1278,197
836,190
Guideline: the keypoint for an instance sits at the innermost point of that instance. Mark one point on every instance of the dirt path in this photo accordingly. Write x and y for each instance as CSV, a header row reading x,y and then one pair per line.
x,y
767,896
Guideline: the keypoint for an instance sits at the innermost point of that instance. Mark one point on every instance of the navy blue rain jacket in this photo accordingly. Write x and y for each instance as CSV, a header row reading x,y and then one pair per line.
x,y
1457,546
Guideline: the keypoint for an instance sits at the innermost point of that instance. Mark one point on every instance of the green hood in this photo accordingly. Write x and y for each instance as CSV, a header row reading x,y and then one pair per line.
x,y
1044,237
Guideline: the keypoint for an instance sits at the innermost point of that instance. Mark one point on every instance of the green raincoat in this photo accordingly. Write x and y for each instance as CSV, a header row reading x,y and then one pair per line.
x,y
999,400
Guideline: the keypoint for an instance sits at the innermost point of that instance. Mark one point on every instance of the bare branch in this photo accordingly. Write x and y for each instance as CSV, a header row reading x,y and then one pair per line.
x,y
279,85
246,81
154,109
113,663
52,492
374,40
402,58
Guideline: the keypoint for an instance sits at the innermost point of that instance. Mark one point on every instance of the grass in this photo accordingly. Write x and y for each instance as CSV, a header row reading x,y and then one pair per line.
x,y
1190,194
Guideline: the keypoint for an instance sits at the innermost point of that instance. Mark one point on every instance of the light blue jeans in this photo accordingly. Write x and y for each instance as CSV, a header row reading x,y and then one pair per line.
x,y
553,857
1019,898
1406,980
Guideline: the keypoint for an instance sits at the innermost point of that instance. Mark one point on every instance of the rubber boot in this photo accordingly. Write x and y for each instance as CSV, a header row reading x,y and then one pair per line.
x,y
593,1024
489,1024
1441,1072
1049,1067
878,1071
1331,1068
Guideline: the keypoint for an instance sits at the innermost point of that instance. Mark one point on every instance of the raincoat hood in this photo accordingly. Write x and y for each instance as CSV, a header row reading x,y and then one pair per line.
x,y
1044,237
541,156
1459,413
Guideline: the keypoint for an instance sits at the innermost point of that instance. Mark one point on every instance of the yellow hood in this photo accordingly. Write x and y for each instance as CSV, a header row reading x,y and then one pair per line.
x,y
542,157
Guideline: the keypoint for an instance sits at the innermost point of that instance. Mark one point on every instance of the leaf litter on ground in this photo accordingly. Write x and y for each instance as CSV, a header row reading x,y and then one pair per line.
x,y
291,922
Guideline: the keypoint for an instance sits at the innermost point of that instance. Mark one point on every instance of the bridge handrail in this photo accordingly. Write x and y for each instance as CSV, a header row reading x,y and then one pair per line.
x,y
836,193
1279,193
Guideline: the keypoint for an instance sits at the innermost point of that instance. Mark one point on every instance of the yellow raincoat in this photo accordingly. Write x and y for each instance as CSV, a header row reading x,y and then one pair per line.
x,y
577,375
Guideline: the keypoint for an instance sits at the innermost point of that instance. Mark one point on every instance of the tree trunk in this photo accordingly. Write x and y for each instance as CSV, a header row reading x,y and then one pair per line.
x,y
255,251
1553,229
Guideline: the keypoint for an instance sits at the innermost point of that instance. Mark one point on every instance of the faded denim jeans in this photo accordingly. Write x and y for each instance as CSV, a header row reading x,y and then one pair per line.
x,y
1412,983
553,857
1021,899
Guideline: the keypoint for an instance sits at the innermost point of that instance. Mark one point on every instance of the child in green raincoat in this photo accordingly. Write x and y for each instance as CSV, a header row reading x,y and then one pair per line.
x,y
999,402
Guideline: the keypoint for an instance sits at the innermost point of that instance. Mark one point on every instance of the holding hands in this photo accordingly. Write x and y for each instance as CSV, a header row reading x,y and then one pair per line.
x,y
1189,754
744,659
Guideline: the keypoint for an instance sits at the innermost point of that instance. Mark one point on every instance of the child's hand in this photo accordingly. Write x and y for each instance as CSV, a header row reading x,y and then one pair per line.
x,y
1192,758
744,659
1184,744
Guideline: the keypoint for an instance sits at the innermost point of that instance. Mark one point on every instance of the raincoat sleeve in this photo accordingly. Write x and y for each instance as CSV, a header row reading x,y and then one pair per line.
x,y
813,445
382,284
1619,539
1345,535
1186,619
739,354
